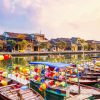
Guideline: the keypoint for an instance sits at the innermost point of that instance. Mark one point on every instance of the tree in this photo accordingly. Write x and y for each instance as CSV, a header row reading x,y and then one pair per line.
x,y
61,45
86,46
74,47
11,43
93,46
23,44
2,43
98,46
44,45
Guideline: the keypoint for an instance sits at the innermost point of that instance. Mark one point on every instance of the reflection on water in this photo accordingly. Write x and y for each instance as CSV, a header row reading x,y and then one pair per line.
x,y
52,58
24,60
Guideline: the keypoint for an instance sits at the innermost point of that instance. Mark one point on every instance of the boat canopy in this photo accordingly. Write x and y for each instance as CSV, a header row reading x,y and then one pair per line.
x,y
51,64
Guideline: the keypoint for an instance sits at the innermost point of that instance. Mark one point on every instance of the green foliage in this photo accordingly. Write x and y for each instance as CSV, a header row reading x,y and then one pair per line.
x,y
44,45
12,43
61,45
23,44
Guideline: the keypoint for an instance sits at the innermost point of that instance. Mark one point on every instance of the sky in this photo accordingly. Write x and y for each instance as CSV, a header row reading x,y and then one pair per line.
x,y
54,18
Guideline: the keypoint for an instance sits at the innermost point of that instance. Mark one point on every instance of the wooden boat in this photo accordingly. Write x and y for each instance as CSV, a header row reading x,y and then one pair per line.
x,y
58,92
87,81
16,91
93,73
84,81
89,77
95,70
73,90
84,89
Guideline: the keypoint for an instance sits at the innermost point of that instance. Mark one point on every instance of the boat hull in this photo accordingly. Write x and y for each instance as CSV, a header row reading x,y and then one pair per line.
x,y
16,87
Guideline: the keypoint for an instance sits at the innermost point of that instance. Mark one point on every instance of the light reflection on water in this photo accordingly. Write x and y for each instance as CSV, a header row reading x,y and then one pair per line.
x,y
23,60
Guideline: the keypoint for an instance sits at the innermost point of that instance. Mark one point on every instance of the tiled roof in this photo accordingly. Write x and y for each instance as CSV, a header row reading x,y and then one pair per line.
x,y
15,35
38,34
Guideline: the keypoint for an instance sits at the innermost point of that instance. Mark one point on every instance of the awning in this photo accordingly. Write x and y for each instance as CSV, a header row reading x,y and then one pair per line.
x,y
51,64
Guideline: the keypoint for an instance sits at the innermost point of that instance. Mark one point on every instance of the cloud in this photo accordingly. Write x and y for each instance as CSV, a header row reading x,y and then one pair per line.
x,y
58,17
12,5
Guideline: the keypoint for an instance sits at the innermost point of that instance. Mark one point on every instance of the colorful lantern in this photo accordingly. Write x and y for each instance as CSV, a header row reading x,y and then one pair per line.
x,y
51,68
32,68
75,79
17,68
31,76
10,56
21,69
38,71
27,70
56,69
1,57
70,79
57,74
40,89
38,79
51,74
6,57
4,83
62,73
35,69
4,74
16,75
61,77
71,72
57,83
63,83
51,83
27,78
42,80
43,71
44,86
24,70
47,74
75,70
55,77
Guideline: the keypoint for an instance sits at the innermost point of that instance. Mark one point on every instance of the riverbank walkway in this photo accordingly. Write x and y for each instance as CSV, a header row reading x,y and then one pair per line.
x,y
49,53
